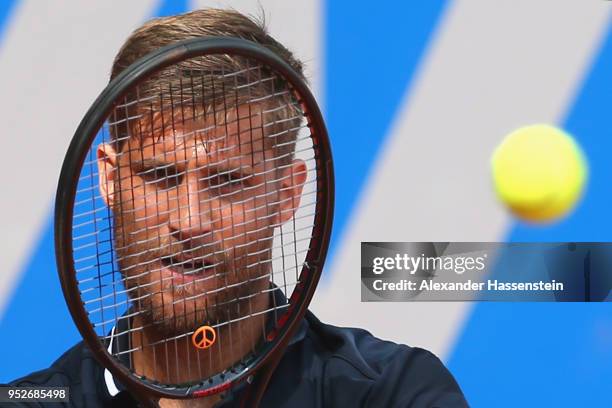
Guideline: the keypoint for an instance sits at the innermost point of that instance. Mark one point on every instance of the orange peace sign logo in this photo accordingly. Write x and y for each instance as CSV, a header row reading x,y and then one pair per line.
x,y
204,337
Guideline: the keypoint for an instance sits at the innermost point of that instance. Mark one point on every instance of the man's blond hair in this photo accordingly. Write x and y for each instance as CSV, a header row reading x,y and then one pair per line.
x,y
285,117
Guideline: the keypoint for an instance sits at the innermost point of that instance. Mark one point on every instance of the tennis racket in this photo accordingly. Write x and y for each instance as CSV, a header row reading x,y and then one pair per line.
x,y
192,219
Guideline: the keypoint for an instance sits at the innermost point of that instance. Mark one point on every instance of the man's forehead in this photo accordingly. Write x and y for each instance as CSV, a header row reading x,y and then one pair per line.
x,y
234,134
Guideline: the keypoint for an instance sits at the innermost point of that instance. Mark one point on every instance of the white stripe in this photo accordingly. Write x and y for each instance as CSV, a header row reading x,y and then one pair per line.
x,y
108,377
55,59
493,66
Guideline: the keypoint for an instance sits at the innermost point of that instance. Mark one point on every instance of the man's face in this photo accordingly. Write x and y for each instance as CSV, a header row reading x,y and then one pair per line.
x,y
195,206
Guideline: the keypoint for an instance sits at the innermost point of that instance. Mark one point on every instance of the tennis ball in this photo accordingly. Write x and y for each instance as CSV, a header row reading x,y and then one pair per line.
x,y
539,173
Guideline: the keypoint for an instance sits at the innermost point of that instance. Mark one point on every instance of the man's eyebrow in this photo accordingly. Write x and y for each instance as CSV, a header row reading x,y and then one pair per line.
x,y
152,163
219,167
225,167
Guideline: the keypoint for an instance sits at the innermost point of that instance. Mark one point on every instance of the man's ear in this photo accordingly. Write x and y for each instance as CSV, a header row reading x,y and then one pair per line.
x,y
292,184
107,170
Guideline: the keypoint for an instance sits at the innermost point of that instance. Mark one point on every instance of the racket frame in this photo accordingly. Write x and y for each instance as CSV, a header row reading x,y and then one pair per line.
x,y
69,178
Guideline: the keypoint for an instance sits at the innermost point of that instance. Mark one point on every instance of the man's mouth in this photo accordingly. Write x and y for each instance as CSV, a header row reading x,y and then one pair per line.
x,y
186,266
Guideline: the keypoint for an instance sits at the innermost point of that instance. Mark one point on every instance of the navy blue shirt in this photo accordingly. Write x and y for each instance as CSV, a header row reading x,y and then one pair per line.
x,y
323,366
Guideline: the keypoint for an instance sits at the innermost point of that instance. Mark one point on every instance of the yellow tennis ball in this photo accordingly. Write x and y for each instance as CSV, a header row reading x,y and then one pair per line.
x,y
539,173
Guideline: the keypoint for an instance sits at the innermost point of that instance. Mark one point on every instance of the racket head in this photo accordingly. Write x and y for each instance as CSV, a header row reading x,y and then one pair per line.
x,y
85,231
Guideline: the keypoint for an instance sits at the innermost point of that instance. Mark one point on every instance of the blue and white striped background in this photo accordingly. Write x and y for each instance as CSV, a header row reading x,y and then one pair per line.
x,y
416,95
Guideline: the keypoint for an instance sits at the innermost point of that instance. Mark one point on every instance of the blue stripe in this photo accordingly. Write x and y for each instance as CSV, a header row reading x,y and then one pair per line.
x,y
371,54
7,7
549,355
171,7
36,328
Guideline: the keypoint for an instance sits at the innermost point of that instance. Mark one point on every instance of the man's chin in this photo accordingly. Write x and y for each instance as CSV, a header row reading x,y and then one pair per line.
x,y
166,314
169,325
171,313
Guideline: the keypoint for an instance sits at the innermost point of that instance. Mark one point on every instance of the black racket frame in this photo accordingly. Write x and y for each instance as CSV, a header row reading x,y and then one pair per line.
x,y
67,187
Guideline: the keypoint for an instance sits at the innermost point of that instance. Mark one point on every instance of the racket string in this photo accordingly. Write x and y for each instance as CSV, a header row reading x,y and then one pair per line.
x,y
124,246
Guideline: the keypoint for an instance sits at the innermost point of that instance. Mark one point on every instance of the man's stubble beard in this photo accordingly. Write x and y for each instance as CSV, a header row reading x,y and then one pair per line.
x,y
174,309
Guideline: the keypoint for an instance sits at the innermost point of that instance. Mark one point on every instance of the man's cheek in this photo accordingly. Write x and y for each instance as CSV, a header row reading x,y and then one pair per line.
x,y
156,208
264,210
146,207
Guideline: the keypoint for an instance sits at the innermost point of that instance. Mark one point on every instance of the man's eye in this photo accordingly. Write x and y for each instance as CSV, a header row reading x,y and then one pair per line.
x,y
228,181
163,178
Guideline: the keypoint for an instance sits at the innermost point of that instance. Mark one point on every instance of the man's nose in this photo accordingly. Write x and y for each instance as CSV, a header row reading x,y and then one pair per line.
x,y
191,217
